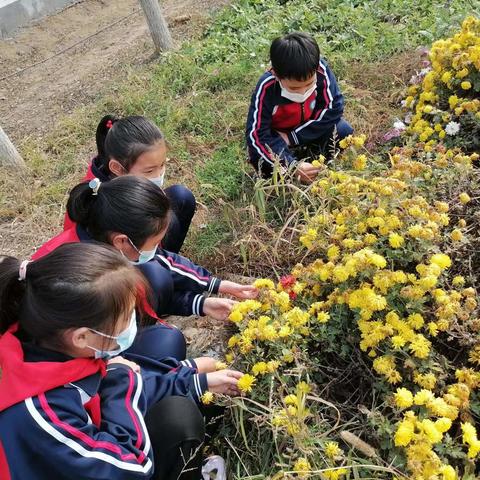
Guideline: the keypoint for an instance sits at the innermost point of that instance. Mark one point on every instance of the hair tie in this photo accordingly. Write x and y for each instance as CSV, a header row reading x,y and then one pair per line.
x,y
109,124
22,271
94,184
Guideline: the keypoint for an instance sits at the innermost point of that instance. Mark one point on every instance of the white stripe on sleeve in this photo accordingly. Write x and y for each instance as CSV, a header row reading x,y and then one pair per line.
x,y
102,456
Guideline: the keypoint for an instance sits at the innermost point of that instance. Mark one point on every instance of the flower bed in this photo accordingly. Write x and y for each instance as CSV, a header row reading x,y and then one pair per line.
x,y
363,362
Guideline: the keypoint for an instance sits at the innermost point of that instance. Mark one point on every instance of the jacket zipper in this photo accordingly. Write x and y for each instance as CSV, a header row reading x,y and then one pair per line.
x,y
303,112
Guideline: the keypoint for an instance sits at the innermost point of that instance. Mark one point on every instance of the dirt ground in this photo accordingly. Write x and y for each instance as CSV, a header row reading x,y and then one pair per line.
x,y
31,99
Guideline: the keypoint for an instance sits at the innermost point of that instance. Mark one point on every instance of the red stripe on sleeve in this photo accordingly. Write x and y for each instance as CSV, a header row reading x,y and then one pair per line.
x,y
89,441
259,118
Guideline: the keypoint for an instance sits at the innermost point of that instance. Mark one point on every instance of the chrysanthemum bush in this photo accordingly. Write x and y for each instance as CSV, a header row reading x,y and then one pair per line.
x,y
444,99
363,361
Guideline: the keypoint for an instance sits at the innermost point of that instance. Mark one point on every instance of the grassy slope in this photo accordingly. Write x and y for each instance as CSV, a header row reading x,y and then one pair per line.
x,y
199,96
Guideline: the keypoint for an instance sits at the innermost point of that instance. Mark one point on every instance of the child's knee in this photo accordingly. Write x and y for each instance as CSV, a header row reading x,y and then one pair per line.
x,y
175,342
160,341
182,198
264,168
179,417
344,129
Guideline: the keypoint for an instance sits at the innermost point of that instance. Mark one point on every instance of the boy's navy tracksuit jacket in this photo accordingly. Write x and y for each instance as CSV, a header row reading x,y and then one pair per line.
x,y
304,123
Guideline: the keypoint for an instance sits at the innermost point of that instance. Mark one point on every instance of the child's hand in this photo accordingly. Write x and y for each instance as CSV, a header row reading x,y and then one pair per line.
x,y
237,290
206,364
224,381
124,361
307,172
218,308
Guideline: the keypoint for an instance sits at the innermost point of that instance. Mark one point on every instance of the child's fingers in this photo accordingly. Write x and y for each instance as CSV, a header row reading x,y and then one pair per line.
x,y
230,382
234,373
310,168
246,291
124,361
249,294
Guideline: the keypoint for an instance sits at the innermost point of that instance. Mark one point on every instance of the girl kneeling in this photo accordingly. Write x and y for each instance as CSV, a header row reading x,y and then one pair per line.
x,y
70,406
136,146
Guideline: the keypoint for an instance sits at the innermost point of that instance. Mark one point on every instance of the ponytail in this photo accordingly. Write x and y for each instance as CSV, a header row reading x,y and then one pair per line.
x,y
104,126
131,205
80,203
125,139
12,290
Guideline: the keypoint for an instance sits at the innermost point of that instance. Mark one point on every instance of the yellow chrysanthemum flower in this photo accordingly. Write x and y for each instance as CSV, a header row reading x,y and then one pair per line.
x,y
396,240
332,449
441,260
207,398
220,365
456,235
246,382
404,433
403,398
302,465
235,316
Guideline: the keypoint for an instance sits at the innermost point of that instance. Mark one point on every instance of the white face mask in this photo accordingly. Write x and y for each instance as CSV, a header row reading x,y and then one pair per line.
x,y
144,256
297,97
159,181
124,339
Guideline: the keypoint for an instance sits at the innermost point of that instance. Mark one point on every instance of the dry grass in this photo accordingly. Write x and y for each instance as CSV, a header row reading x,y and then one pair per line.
x,y
375,91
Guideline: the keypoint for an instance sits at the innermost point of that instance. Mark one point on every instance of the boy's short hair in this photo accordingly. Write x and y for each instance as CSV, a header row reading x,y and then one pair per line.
x,y
295,56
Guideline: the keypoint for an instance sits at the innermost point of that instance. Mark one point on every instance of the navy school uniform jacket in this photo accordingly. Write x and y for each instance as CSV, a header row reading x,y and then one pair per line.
x,y
79,419
303,122
190,281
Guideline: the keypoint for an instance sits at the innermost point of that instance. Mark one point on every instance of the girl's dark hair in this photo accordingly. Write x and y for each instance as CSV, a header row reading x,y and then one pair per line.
x,y
131,205
124,139
295,56
77,285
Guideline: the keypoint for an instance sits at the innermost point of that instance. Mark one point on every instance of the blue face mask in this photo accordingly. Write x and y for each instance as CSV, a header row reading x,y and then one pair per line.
x,y
144,256
124,339
159,181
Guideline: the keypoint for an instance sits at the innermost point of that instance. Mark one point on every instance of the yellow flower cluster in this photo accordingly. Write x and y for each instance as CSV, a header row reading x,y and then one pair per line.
x,y
292,417
335,474
419,437
241,309
264,283
302,466
470,438
357,141
455,63
261,368
207,398
332,450
380,232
